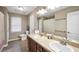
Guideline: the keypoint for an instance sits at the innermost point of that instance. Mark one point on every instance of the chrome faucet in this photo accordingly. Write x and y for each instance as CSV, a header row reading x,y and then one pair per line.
x,y
65,41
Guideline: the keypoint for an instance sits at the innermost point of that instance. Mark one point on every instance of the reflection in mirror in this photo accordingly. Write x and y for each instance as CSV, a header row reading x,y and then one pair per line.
x,y
64,24
73,26
49,26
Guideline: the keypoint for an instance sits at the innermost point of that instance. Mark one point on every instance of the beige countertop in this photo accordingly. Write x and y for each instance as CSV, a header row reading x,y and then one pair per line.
x,y
44,41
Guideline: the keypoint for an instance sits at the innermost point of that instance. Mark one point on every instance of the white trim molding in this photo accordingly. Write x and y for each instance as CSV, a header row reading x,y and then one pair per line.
x,y
3,47
13,39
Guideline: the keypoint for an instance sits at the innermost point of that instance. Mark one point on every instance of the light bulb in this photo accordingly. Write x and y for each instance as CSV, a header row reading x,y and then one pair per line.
x,y
42,11
20,8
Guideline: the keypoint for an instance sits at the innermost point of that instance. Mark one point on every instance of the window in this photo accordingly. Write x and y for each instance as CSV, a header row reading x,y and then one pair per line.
x,y
15,24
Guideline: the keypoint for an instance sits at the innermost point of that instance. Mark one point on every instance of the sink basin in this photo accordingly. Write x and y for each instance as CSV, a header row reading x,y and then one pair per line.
x,y
57,47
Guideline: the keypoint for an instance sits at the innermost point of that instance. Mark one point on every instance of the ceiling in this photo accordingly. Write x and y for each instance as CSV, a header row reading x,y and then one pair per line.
x,y
26,9
51,12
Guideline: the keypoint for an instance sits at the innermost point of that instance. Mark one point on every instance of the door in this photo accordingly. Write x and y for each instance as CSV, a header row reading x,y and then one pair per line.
x,y
31,45
39,48
2,33
73,25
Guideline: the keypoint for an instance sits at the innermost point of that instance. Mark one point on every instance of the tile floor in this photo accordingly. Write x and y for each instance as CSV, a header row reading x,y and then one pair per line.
x,y
16,46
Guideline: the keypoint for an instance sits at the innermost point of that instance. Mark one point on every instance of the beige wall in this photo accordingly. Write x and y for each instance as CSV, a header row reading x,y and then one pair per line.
x,y
2,33
4,11
24,26
63,13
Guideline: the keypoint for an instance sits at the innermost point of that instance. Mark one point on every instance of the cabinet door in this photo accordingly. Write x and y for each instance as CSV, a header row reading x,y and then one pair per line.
x,y
73,25
44,50
39,48
29,45
33,46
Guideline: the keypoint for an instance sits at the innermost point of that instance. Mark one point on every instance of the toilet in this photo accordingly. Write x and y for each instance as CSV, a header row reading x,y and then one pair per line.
x,y
24,36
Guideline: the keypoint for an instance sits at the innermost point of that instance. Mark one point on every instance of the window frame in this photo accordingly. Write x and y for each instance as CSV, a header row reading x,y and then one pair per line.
x,y
19,30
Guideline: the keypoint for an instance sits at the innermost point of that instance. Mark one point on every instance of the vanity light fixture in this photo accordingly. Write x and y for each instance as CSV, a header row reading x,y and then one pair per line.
x,y
20,8
45,10
42,11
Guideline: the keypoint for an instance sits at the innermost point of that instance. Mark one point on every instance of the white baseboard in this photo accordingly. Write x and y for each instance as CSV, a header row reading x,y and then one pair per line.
x,y
6,45
13,39
3,47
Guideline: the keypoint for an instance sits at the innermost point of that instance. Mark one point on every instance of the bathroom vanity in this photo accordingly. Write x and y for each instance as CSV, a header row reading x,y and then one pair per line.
x,y
37,43
34,46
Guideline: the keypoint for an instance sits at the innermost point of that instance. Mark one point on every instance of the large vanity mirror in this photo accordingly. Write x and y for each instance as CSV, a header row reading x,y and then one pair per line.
x,y
67,26
73,26
54,26
59,28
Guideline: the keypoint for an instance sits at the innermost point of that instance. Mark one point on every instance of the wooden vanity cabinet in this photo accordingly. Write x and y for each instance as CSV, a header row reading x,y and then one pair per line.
x,y
31,45
39,48
34,46
45,50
